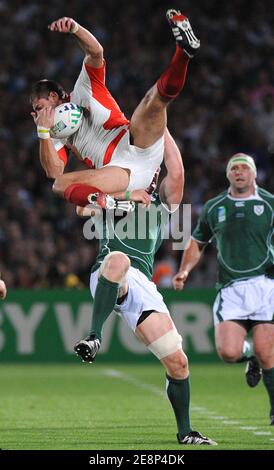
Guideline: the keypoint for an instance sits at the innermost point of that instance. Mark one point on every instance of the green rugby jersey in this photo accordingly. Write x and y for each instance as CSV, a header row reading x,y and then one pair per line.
x,y
145,232
243,229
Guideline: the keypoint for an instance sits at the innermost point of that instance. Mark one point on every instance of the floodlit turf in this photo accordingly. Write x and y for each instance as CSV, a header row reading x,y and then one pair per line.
x,y
117,406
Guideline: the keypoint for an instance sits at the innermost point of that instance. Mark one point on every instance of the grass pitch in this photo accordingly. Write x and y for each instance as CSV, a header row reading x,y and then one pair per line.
x,y
98,407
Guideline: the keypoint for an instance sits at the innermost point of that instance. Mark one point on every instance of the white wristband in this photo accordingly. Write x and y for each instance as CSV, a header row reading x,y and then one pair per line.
x,y
43,132
74,28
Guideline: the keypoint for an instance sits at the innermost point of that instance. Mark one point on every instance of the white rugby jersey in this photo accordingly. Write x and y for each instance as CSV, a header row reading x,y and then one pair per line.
x,y
102,131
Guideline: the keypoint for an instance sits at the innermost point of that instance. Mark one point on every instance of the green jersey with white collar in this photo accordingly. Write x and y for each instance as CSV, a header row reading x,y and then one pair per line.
x,y
243,229
138,234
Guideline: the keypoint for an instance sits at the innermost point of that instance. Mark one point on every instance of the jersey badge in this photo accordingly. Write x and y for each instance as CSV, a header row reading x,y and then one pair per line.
x,y
221,214
258,209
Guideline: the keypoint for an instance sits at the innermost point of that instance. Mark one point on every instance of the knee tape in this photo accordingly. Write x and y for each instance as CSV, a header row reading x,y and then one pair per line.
x,y
167,344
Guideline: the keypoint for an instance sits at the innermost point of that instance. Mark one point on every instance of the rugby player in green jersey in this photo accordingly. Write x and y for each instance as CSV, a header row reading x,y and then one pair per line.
x,y
241,221
121,281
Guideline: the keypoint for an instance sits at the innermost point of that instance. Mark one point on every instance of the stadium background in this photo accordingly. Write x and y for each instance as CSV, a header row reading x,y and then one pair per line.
x,y
227,106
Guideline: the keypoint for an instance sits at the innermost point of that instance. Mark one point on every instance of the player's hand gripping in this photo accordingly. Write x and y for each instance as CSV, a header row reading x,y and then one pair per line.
x,y
140,195
179,280
64,25
44,117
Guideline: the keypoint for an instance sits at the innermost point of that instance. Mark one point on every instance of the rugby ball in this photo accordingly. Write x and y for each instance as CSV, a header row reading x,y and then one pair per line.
x,y
67,120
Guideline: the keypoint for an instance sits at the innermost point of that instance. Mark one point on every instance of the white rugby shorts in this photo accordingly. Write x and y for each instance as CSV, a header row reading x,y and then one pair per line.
x,y
142,163
142,295
251,299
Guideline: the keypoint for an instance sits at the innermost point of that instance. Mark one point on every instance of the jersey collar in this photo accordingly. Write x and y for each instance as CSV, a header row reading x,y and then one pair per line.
x,y
254,196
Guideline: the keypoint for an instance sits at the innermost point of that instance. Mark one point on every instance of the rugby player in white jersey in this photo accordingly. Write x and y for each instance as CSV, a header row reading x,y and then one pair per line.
x,y
121,154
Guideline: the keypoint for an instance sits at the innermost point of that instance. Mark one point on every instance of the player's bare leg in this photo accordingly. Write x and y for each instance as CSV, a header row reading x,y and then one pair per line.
x,y
112,286
229,339
149,119
159,334
231,345
78,185
263,337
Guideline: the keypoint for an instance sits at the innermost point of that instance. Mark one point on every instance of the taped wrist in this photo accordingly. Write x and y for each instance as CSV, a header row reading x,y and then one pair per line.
x,y
43,132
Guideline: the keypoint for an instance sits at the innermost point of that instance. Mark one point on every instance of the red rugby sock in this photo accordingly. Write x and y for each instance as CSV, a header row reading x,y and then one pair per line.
x,y
173,78
78,193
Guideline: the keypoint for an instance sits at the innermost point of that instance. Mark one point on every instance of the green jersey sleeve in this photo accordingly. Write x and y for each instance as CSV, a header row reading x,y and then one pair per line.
x,y
202,232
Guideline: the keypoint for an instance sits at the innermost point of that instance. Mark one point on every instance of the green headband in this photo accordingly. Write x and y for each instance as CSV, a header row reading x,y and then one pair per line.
x,y
241,159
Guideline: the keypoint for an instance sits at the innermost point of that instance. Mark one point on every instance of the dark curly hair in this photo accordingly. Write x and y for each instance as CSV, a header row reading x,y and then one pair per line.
x,y
42,89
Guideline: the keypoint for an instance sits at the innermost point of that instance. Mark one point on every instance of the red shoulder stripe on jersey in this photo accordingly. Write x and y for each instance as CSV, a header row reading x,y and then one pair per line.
x,y
112,146
63,155
103,96
98,74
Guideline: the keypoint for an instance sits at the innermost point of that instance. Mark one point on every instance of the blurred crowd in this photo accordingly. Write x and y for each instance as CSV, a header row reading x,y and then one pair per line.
x,y
227,106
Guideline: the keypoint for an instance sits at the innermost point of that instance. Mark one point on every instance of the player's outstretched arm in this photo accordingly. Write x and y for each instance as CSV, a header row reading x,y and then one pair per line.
x,y
191,257
172,186
3,290
93,49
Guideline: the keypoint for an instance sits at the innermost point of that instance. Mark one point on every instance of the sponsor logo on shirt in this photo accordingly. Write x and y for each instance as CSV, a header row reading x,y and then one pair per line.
x,y
239,204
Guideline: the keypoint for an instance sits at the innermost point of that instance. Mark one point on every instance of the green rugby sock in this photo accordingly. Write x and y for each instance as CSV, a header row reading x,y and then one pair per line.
x,y
104,301
178,392
268,378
